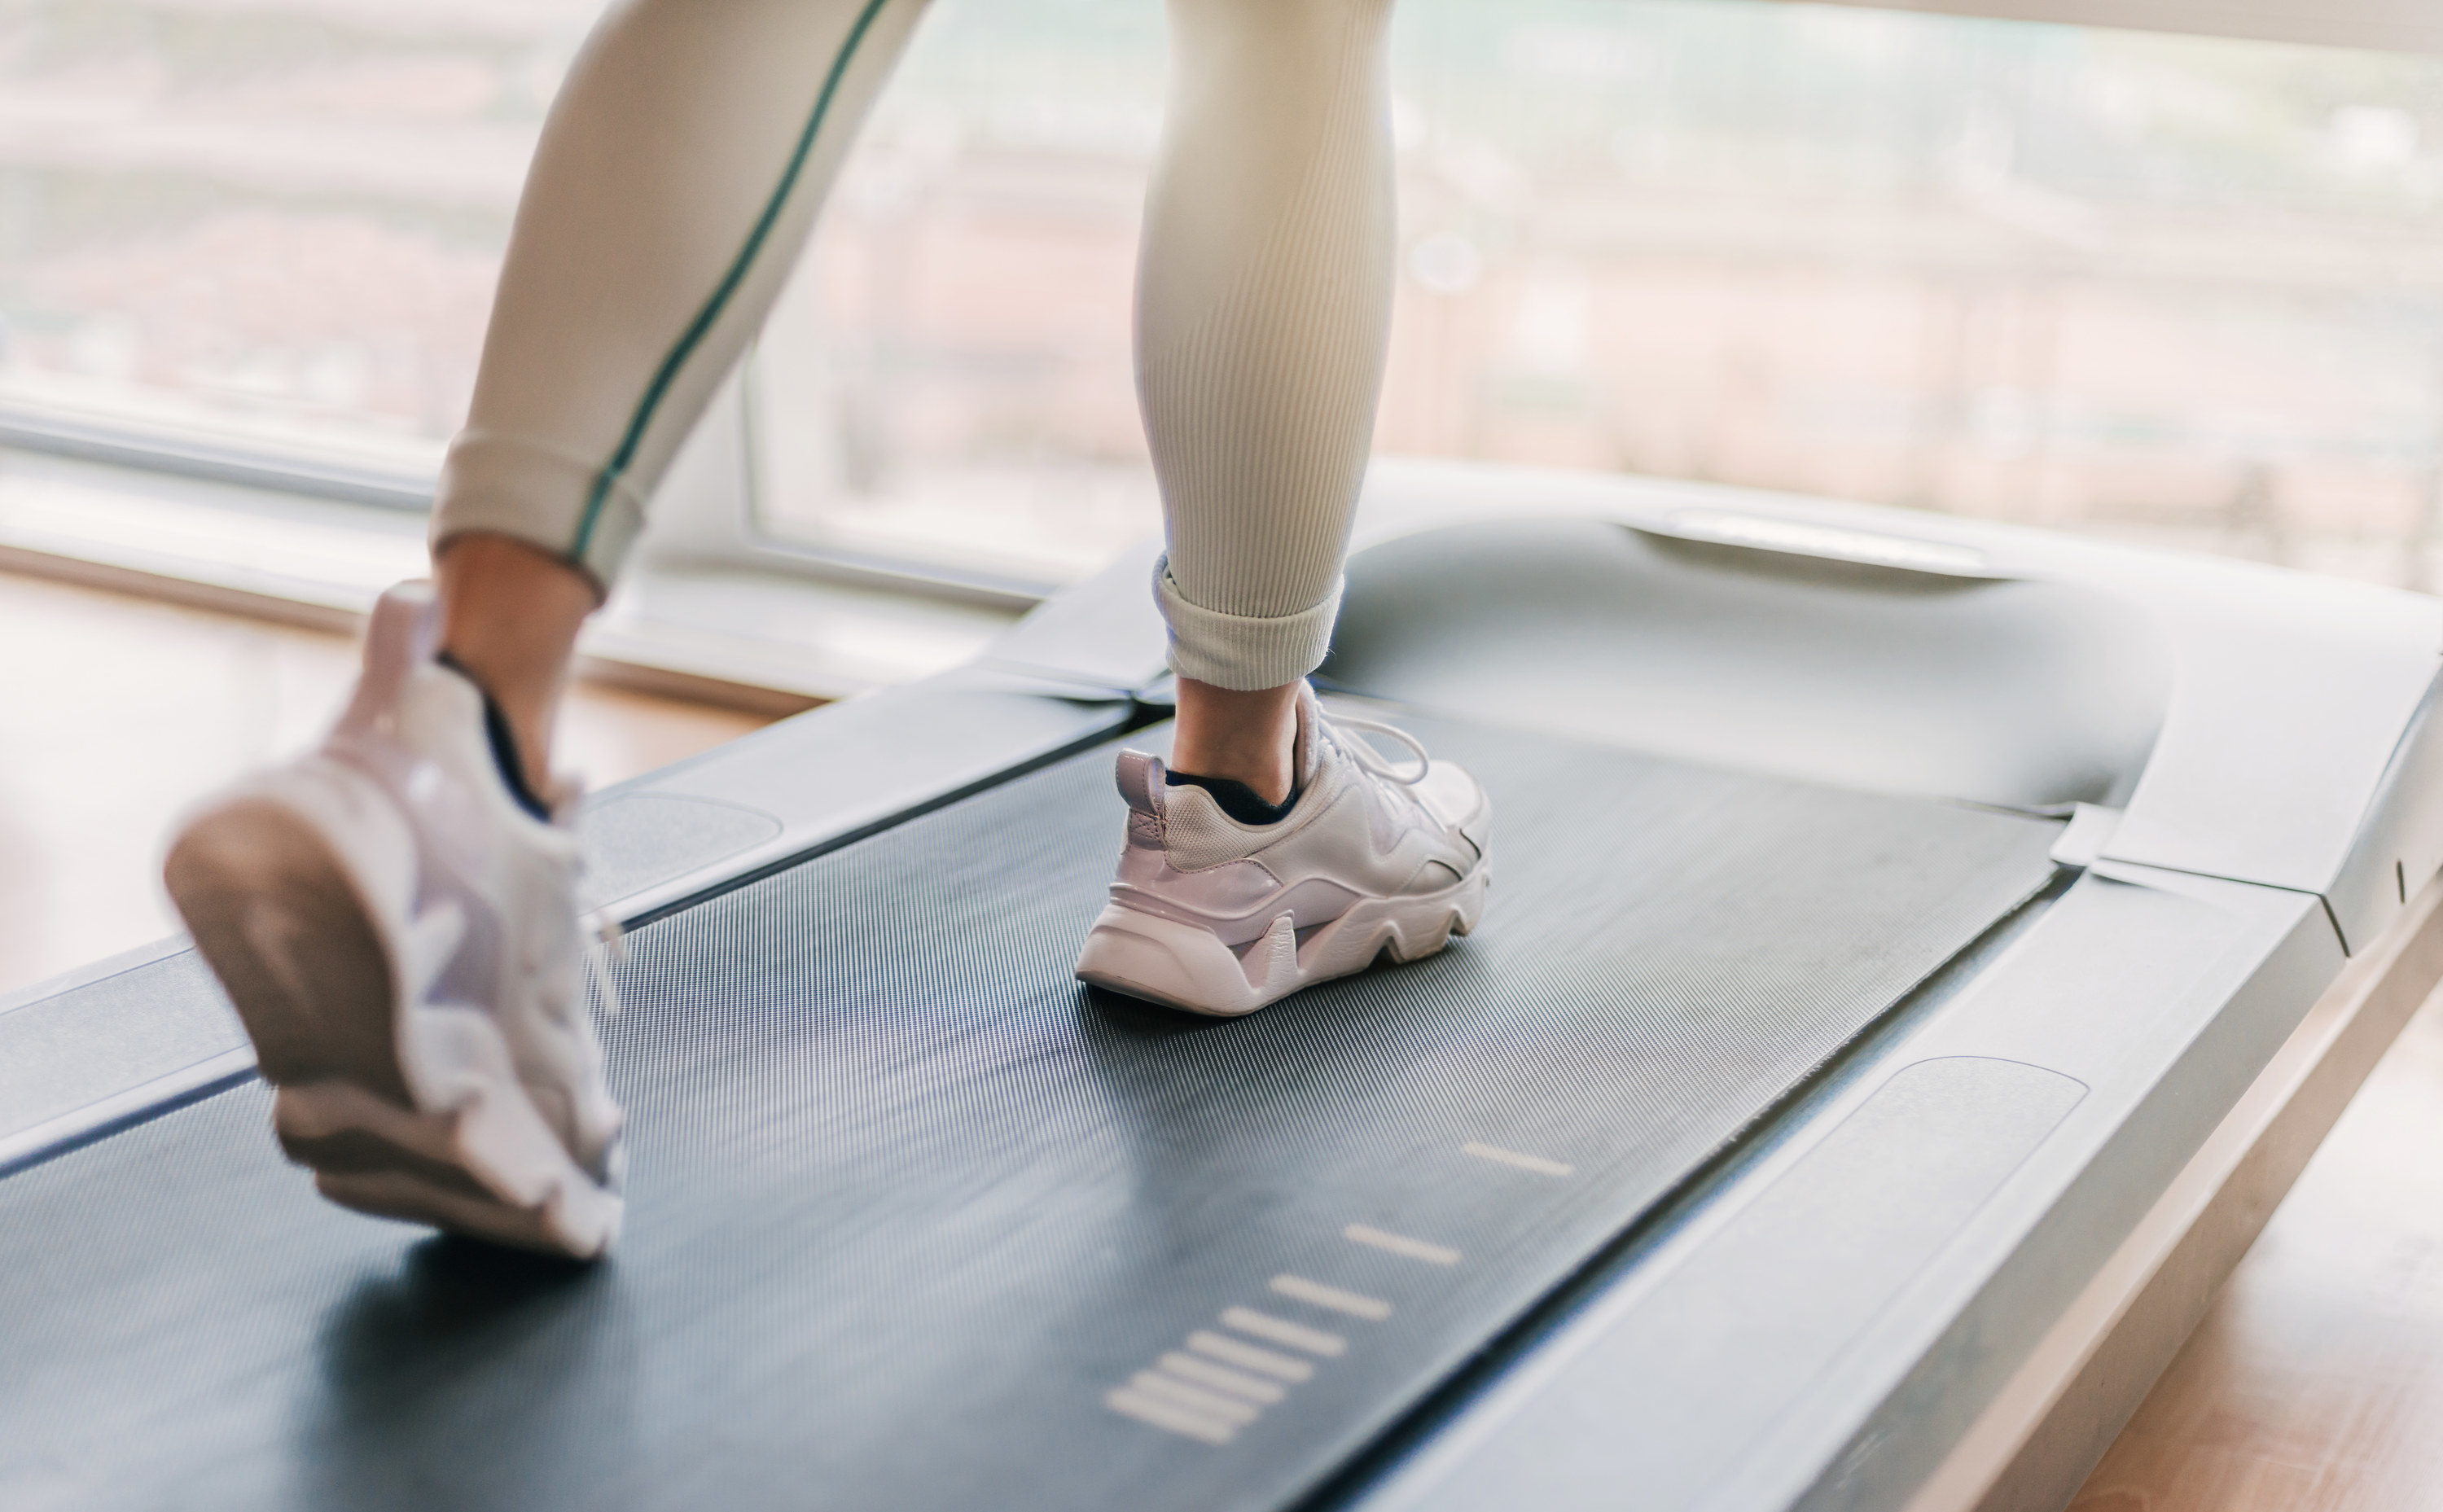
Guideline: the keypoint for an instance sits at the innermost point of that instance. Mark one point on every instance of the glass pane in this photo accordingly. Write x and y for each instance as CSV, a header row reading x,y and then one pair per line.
x,y
947,379
2177,290
276,219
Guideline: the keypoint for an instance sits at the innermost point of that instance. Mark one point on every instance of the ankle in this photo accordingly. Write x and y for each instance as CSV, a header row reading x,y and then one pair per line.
x,y
519,714
509,616
518,774
1246,737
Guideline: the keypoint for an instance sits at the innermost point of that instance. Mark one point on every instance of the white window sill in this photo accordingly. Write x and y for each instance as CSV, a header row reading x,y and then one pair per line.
x,y
725,634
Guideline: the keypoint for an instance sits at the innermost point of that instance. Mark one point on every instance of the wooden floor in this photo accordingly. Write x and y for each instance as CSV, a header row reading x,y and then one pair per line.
x,y
2314,1384
116,713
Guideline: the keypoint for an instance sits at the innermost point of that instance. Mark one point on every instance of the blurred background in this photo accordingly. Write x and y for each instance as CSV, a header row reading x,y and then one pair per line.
x,y
2178,290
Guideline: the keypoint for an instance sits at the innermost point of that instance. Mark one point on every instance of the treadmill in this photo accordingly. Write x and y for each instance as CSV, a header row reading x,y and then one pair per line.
x,y
1920,954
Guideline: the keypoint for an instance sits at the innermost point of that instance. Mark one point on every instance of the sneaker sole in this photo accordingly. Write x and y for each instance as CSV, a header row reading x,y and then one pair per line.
x,y
281,919
1184,966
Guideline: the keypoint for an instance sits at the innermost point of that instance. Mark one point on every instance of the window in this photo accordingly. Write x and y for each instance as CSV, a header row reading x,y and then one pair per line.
x,y
271,221
2183,291
2179,290
949,376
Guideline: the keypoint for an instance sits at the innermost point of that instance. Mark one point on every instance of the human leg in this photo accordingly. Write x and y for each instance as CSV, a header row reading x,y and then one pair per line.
x,y
1263,307
394,915
1281,849
677,176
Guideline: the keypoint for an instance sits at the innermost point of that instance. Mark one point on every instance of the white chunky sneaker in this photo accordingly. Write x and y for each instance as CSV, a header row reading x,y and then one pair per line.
x,y
401,940
1222,918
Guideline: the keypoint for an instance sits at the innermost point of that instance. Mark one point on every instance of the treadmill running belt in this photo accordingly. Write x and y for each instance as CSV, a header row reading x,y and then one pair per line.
x,y
915,1222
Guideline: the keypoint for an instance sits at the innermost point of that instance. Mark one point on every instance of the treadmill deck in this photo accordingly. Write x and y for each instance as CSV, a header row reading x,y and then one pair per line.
x,y
909,1210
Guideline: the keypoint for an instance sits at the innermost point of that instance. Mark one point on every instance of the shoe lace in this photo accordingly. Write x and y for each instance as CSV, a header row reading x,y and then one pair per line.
x,y
606,945
1371,760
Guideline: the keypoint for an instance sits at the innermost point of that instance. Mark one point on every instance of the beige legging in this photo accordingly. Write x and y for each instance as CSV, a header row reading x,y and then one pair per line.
x,y
682,168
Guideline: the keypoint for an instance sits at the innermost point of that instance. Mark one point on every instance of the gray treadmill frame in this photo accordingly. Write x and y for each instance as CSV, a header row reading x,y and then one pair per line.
x,y
2207,920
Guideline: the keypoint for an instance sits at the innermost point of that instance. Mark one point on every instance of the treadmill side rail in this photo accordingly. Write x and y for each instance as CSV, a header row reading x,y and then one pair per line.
x,y
1735,1368
104,1046
112,1046
829,775
2399,848
2043,1432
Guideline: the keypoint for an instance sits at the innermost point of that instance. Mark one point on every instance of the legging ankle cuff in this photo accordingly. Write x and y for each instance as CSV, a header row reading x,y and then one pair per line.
x,y
508,486
1243,651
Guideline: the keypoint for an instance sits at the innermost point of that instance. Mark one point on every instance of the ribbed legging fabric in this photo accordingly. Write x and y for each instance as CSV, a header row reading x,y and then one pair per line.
x,y
679,174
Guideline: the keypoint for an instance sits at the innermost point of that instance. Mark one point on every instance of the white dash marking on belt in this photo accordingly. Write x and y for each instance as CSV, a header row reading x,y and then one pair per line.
x,y
1195,1398
1524,1163
1281,1330
1162,1413
1374,1309
1249,1357
1221,1377
1400,1244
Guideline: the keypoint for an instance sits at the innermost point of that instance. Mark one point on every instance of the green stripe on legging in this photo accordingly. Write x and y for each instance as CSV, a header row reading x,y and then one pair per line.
x,y
693,336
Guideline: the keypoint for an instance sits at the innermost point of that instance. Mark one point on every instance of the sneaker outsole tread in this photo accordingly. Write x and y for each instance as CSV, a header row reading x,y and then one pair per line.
x,y
1185,966
283,922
